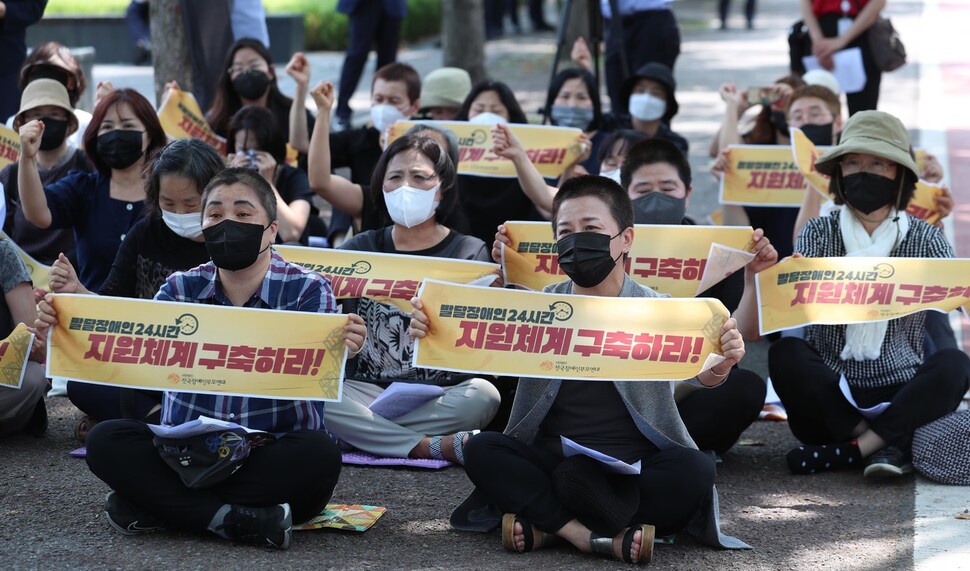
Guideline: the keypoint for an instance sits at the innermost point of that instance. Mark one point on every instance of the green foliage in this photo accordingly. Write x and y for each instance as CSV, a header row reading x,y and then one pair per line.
x,y
325,28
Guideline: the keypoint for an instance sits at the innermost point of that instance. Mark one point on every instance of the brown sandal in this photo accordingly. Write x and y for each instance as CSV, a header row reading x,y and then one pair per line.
x,y
83,427
604,545
535,538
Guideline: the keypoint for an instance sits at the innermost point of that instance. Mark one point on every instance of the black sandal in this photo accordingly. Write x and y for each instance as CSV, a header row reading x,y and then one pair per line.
x,y
604,545
535,538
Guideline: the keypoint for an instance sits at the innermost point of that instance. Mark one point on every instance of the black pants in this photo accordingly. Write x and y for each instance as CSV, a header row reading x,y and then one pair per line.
x,y
868,98
939,334
818,413
725,5
103,402
715,418
301,468
778,223
369,24
650,35
516,477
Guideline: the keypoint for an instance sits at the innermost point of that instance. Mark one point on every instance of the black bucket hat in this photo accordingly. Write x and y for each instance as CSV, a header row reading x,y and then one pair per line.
x,y
659,73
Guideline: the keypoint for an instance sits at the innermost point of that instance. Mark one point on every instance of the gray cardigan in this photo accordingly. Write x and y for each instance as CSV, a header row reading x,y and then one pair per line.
x,y
650,404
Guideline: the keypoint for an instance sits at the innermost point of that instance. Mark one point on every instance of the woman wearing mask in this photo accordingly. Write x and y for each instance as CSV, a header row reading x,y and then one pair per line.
x,y
487,202
44,100
249,78
102,206
648,96
573,101
414,183
894,387
167,240
256,142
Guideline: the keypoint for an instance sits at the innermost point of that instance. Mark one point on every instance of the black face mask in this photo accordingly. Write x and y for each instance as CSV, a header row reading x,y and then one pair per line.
x,y
868,192
585,257
780,122
55,130
658,207
234,245
120,148
819,134
251,85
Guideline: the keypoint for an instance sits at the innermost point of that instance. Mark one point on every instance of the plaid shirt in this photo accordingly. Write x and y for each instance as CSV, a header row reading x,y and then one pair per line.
x,y
902,348
286,286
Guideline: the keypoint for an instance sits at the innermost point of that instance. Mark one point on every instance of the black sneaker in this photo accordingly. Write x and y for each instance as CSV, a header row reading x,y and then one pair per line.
x,y
269,527
127,519
890,462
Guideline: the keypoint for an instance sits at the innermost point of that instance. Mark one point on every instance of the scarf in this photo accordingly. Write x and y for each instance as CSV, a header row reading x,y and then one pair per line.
x,y
864,340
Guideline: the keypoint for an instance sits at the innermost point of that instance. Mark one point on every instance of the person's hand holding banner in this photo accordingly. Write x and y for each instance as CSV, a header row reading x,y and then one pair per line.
x,y
801,291
199,348
507,332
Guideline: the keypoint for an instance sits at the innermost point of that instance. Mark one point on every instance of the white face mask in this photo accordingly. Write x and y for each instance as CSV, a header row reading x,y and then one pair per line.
x,y
646,107
612,175
185,225
488,119
385,115
409,206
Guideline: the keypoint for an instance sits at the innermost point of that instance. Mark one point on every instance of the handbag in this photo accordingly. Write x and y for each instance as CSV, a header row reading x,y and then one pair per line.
x,y
887,49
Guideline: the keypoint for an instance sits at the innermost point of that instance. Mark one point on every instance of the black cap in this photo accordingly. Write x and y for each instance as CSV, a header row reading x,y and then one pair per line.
x,y
659,73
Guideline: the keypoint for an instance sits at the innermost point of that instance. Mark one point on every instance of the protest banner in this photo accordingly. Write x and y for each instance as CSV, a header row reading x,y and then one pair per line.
x,y
551,149
9,146
14,352
182,118
509,332
922,205
198,348
388,278
681,260
762,175
40,273
802,291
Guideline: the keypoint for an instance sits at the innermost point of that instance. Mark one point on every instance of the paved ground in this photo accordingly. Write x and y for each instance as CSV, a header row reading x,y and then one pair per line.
x,y
50,504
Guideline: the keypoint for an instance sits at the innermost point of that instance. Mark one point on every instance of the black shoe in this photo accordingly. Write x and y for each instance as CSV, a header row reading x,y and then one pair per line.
x,y
37,425
268,527
127,519
890,462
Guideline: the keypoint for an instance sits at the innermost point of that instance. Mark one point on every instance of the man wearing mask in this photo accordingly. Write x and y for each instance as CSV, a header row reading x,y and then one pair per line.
x,y
648,97
287,482
394,96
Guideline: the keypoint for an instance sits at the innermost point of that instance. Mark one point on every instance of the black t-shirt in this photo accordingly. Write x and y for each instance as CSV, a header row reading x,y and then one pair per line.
x,y
358,149
292,184
592,413
488,202
455,246
149,254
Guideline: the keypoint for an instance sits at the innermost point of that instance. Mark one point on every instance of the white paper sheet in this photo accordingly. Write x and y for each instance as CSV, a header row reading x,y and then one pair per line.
x,y
848,69
201,425
611,464
871,412
722,261
399,399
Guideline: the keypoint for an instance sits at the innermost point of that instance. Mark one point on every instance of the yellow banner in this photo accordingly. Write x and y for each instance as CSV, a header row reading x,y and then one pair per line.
x,y
551,149
198,348
9,146
388,278
529,334
680,260
14,352
762,175
801,291
40,273
182,118
922,205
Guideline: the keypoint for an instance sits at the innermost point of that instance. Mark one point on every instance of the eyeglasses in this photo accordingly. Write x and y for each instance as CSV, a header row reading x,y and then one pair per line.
x,y
876,166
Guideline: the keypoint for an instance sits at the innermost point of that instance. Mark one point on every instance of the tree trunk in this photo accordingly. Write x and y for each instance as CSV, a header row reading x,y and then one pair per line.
x,y
463,36
170,52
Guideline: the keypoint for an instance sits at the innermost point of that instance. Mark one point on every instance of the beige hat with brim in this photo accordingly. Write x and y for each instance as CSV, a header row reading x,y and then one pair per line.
x,y
40,92
445,87
873,133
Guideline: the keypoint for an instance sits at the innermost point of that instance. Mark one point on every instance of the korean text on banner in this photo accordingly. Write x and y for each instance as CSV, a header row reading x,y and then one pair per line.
x,y
802,291
677,260
529,334
762,175
922,205
198,348
9,146
14,352
551,149
182,118
40,274
388,278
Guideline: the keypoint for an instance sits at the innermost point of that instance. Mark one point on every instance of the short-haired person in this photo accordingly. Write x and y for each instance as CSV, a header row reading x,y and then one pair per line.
x,y
101,207
414,188
286,482
881,364
45,100
523,472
